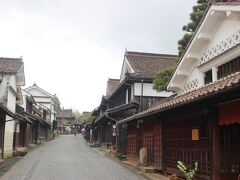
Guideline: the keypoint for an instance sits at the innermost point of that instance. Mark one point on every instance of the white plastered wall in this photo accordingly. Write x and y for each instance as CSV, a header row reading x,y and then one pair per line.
x,y
9,126
149,91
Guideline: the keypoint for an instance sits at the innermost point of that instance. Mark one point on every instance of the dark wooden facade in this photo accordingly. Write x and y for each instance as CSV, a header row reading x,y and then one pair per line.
x,y
133,87
141,134
2,130
206,132
21,132
178,142
146,101
120,110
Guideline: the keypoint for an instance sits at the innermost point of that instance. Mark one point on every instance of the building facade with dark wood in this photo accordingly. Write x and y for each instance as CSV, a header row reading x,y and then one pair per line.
x,y
31,125
65,121
201,126
201,123
131,94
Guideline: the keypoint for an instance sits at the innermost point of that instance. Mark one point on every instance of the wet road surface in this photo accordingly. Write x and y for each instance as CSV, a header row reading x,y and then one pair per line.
x,y
68,157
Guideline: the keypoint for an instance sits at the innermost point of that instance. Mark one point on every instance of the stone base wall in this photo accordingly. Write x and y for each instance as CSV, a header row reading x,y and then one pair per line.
x,y
7,154
8,139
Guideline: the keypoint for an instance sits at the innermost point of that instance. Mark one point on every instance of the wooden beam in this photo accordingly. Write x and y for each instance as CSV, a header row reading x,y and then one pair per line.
x,y
204,37
192,57
215,149
174,87
183,74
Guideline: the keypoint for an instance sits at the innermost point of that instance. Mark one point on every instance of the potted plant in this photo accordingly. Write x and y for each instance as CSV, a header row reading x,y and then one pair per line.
x,y
189,172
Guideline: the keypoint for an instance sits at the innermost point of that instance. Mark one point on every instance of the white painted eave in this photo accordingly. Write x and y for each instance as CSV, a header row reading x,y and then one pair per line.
x,y
214,17
124,67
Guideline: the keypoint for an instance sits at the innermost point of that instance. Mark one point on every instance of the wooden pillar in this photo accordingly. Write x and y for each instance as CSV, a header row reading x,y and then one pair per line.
x,y
216,159
163,143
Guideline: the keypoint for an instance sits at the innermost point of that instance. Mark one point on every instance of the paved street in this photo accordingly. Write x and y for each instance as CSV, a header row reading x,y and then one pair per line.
x,y
68,157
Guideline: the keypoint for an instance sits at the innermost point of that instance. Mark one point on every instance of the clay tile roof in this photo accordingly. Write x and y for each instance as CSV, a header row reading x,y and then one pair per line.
x,y
65,113
10,65
225,2
112,84
202,92
146,65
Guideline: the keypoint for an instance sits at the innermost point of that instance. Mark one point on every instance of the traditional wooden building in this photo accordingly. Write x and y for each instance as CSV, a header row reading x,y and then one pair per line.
x,y
132,93
3,113
202,123
11,80
32,126
65,121
45,102
23,124
41,127
102,130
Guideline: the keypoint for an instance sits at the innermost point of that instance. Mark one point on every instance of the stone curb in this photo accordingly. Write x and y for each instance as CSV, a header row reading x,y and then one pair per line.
x,y
132,167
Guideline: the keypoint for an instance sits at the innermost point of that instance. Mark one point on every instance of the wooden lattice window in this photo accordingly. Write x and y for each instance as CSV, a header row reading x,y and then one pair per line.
x,y
229,68
131,147
131,143
148,144
180,146
158,145
230,152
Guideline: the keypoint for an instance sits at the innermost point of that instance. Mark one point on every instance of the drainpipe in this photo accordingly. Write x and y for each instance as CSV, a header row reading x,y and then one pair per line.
x,y
141,95
14,136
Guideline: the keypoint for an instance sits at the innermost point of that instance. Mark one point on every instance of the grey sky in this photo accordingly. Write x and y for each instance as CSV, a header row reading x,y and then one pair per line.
x,y
72,47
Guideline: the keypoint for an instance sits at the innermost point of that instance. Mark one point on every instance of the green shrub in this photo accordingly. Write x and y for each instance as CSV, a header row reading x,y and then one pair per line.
x,y
188,171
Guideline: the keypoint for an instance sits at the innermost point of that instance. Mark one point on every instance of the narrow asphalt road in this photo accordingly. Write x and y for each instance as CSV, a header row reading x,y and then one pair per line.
x,y
68,157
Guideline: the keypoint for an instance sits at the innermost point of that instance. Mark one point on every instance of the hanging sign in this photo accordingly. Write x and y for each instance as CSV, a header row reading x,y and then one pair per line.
x,y
195,134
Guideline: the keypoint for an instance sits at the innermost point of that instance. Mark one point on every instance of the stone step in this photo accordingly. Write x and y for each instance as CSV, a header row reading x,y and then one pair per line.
x,y
147,169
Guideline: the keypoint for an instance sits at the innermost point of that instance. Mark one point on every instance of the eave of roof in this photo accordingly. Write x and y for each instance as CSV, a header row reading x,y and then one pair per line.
x,y
236,2
198,94
194,36
35,86
117,109
100,118
188,45
23,118
7,111
123,107
34,117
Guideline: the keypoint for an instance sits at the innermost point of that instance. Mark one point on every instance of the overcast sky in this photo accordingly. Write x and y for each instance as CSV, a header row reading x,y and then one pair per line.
x,y
72,47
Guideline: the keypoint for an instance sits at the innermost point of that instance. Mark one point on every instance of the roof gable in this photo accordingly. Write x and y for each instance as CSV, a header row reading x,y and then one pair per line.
x,y
37,91
126,68
66,113
217,32
28,96
111,86
10,65
147,65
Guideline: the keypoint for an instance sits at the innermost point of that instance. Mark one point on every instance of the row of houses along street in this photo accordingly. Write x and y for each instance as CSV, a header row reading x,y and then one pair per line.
x,y
28,115
196,119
